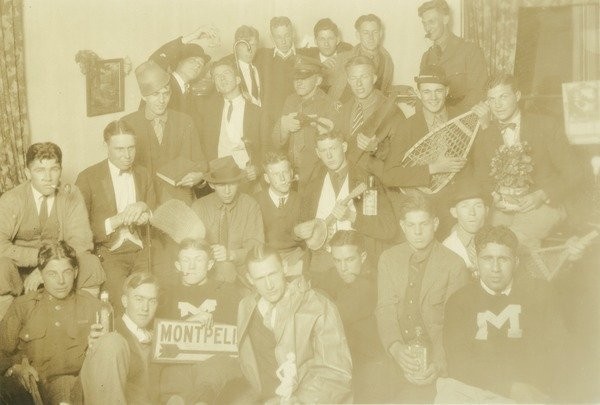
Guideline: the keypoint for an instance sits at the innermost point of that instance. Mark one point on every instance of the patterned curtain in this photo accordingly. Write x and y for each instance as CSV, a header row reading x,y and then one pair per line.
x,y
14,126
492,24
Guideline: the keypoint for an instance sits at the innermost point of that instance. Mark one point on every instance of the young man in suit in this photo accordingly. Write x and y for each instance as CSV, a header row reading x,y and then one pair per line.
x,y
463,61
329,45
276,67
415,280
369,31
164,135
294,135
230,125
246,46
185,61
37,211
117,368
119,196
555,174
330,183
292,345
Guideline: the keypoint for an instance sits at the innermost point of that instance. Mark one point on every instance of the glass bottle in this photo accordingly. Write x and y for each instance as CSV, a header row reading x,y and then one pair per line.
x,y
370,198
418,349
107,313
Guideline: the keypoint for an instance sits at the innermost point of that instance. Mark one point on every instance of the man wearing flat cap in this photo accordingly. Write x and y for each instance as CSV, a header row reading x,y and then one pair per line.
x,y
306,113
165,136
185,61
233,220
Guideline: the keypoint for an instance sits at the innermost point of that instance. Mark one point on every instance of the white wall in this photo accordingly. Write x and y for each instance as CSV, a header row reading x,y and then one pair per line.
x,y
56,30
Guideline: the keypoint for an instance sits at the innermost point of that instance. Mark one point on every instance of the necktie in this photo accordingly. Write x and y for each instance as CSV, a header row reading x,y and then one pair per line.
x,y
437,122
223,228
43,216
253,84
510,125
268,316
124,171
281,202
472,254
229,111
157,124
357,118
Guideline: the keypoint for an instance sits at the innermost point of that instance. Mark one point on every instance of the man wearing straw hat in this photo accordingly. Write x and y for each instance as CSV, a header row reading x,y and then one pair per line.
x,y
165,136
233,220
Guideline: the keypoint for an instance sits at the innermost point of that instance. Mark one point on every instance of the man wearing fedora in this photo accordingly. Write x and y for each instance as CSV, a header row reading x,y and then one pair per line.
x,y
292,132
233,220
185,61
165,135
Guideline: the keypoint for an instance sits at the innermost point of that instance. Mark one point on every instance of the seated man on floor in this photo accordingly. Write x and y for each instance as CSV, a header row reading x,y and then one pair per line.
x,y
117,367
232,219
502,333
415,280
118,195
292,345
43,337
351,287
37,211
547,164
199,298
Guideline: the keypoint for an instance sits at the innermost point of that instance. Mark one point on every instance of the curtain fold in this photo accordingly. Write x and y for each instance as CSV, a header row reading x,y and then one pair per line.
x,y
14,125
586,42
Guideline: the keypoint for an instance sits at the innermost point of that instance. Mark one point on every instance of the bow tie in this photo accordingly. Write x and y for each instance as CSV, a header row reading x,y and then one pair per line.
x,y
510,125
125,171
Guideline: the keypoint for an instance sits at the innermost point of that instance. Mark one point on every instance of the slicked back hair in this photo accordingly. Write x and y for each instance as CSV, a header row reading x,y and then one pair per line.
x,y
55,251
501,235
43,151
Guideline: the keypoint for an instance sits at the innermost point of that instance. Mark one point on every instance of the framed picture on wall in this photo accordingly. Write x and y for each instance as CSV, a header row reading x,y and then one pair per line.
x,y
105,87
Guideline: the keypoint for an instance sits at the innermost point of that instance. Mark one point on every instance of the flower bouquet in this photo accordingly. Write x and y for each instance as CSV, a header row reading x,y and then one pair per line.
x,y
511,169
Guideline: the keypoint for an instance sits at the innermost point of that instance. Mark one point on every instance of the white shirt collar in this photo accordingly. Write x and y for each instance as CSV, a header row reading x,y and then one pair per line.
x,y
180,81
488,290
114,170
289,53
239,99
514,119
37,197
275,197
142,335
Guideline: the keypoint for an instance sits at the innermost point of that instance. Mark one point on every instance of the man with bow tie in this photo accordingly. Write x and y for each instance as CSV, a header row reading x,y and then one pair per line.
x,y
37,211
463,61
164,135
118,195
555,175
117,368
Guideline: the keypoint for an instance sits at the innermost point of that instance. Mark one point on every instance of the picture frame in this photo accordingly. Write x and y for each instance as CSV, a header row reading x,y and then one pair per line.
x,y
105,90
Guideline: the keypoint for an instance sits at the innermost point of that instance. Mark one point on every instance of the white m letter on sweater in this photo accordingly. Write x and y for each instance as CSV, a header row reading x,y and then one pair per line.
x,y
510,313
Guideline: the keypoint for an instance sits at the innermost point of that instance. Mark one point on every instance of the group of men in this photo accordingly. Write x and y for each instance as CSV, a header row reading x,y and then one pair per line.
x,y
317,241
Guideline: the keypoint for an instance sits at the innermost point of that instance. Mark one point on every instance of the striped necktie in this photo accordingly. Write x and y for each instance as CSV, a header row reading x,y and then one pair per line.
x,y
357,118
157,124
229,111
223,228
254,85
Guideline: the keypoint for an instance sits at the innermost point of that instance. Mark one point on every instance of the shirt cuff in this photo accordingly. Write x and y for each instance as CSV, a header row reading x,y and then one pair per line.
x,y
108,226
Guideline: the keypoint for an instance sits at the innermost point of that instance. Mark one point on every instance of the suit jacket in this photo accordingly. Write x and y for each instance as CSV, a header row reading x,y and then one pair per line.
x,y
445,272
244,87
308,325
208,113
98,192
382,226
556,168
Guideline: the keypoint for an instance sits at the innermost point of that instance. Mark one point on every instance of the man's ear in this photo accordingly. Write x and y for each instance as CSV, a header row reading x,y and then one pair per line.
x,y
319,80
177,265
453,212
446,19
210,264
436,224
363,256
238,80
374,78
266,178
124,301
28,173
250,280
345,146
518,94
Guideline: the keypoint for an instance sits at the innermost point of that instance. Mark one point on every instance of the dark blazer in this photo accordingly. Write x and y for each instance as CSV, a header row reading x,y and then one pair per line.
x,y
97,189
208,115
556,168
382,226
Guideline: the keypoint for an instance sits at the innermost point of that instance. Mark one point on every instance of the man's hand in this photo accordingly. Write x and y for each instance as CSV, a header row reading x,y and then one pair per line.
x,y
576,248
203,318
251,172
447,165
526,393
304,230
191,179
342,212
290,123
33,281
25,373
330,63
207,36
426,378
532,201
143,219
96,331
219,253
402,355
133,212
365,143
499,202
483,112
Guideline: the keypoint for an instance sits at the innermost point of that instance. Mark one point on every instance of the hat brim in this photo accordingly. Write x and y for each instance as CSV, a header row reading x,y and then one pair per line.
x,y
226,180
304,74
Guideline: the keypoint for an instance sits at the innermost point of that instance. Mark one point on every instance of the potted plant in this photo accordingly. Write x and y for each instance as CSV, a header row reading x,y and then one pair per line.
x,y
511,169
